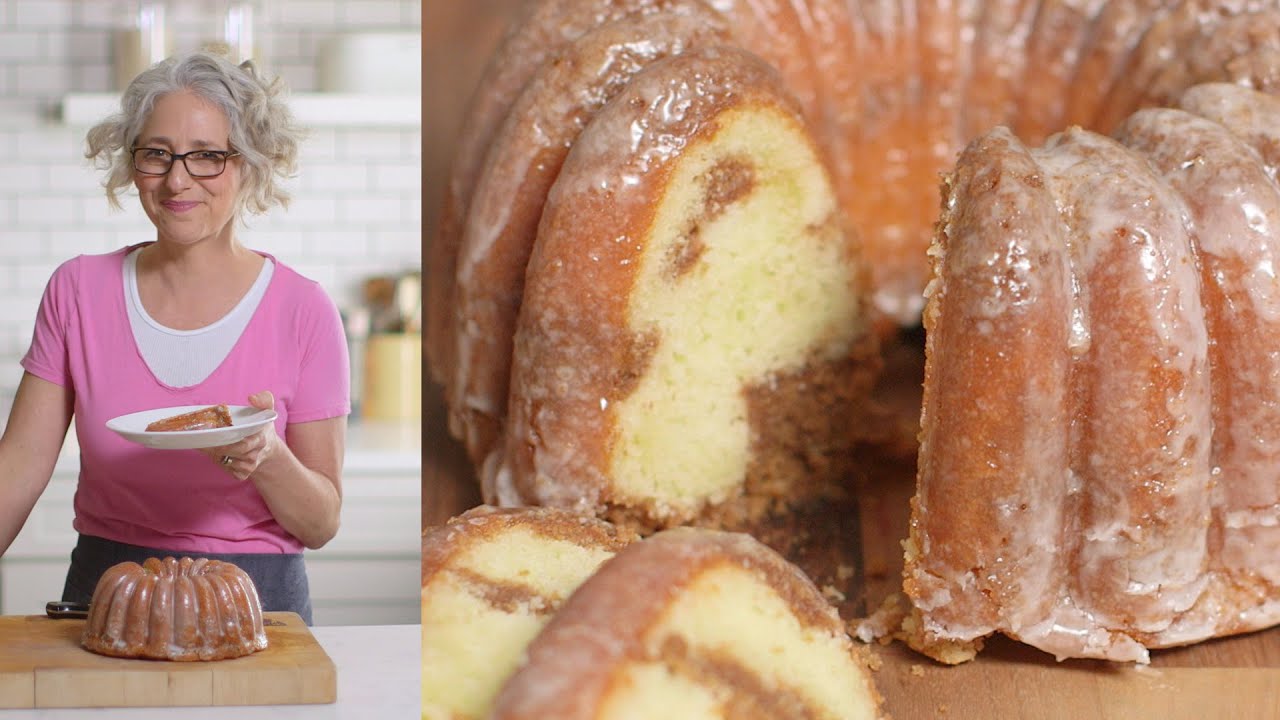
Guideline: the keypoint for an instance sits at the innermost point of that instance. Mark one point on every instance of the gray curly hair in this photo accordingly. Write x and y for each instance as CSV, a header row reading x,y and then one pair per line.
x,y
263,129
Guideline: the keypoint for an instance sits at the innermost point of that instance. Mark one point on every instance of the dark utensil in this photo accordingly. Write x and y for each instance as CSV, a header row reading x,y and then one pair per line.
x,y
60,610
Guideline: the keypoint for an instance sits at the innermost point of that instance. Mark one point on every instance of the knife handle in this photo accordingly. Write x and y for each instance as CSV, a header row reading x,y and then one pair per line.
x,y
60,609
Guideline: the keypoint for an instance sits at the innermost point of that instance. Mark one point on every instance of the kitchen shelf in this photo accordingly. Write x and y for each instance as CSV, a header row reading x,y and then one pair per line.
x,y
312,109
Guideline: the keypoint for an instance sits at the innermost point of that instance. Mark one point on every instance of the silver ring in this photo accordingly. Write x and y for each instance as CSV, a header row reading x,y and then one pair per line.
x,y
226,460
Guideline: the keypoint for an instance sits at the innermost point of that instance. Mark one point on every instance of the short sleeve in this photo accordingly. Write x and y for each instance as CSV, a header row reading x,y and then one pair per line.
x,y
47,358
324,377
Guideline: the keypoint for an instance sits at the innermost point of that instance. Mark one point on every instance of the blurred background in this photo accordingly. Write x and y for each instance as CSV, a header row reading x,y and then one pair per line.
x,y
458,39
355,225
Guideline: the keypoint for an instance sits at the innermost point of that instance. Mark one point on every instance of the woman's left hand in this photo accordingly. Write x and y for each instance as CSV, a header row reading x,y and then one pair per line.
x,y
243,458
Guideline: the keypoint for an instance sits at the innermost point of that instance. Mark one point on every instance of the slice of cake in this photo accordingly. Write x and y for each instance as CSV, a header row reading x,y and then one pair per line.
x,y
692,624
524,159
692,330
490,579
217,416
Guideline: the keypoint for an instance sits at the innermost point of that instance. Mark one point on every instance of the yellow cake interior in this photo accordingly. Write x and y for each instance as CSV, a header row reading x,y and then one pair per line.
x,y
733,294
729,617
470,646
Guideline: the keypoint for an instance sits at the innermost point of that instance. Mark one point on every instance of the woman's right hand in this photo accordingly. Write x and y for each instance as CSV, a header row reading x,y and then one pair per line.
x,y
29,449
242,458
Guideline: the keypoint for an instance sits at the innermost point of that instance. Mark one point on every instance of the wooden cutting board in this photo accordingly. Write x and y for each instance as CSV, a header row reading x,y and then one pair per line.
x,y
42,665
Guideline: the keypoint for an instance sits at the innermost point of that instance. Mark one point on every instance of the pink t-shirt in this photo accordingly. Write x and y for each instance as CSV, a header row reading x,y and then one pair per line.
x,y
180,500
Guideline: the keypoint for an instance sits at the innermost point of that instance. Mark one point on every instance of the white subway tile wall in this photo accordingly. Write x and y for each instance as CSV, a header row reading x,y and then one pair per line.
x,y
356,208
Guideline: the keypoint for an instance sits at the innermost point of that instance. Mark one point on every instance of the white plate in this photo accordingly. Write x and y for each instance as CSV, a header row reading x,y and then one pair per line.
x,y
245,420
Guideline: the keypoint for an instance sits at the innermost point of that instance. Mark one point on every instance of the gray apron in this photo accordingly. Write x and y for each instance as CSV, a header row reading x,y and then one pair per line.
x,y
281,578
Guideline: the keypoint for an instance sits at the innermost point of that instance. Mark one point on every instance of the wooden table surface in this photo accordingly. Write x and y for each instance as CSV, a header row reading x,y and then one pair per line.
x,y
1231,678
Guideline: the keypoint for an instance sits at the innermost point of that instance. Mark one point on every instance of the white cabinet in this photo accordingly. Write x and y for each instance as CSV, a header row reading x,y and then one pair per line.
x,y
368,575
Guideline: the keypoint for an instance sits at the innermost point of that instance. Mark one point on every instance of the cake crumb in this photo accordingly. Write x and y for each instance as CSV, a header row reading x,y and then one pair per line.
x,y
844,572
874,662
917,670
942,709
832,594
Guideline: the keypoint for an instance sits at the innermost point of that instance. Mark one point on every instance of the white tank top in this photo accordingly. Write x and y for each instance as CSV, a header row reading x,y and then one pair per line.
x,y
182,358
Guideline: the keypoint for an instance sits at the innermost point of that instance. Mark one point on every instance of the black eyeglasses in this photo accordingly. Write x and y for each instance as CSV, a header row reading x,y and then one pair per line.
x,y
199,163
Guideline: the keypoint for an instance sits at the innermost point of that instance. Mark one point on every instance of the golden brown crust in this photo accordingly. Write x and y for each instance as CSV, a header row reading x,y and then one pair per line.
x,y
537,36
999,60
1155,469
829,26
601,627
1212,52
1139,389
171,609
1173,32
442,543
996,320
1249,114
566,360
1034,66
1117,29
573,369
1234,208
524,160
1056,35
893,178
217,416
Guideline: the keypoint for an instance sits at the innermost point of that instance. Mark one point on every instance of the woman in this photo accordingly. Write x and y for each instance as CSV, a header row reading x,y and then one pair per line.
x,y
191,318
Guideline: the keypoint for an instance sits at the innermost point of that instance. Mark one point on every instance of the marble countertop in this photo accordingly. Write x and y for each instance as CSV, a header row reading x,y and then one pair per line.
x,y
379,676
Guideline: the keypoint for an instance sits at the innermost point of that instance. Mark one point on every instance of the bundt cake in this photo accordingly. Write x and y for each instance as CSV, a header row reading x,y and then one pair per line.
x,y
692,623
1101,420
893,91
491,578
171,609
657,292
890,92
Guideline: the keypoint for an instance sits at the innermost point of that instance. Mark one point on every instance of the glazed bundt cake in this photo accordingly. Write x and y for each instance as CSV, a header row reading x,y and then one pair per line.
x,y
491,578
893,91
657,293
187,609
1101,423
692,623
890,92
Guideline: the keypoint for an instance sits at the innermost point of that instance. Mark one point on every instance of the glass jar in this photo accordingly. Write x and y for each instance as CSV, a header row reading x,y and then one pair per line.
x,y
237,35
140,40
